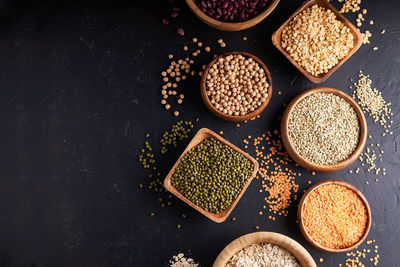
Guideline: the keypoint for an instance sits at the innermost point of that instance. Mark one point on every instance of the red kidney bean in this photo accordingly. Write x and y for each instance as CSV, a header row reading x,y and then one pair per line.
x,y
232,10
180,31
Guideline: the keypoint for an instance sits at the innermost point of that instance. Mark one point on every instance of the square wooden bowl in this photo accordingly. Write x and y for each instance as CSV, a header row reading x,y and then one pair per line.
x,y
202,134
276,40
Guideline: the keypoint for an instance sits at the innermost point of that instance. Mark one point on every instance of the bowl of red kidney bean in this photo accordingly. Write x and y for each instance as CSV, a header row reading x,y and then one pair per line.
x,y
232,15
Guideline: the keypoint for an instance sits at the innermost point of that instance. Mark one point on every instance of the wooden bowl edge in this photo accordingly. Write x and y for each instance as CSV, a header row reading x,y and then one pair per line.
x,y
233,118
301,160
212,216
300,215
281,240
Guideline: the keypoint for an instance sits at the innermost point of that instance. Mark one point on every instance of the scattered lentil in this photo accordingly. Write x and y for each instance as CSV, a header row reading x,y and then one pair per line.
x,y
278,181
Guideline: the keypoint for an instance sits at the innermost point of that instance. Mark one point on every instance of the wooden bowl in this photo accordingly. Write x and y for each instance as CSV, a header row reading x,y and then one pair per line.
x,y
276,40
222,115
301,254
308,164
231,26
300,216
202,134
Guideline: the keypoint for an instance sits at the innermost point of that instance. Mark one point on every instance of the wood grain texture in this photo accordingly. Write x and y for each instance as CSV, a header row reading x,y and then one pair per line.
x,y
222,115
197,139
308,164
231,26
276,40
301,254
300,216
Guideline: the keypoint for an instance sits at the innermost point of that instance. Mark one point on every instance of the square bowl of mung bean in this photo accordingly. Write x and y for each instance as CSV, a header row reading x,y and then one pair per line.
x,y
317,39
211,175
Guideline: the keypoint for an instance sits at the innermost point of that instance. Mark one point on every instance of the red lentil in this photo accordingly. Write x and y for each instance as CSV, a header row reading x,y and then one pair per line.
x,y
278,181
334,216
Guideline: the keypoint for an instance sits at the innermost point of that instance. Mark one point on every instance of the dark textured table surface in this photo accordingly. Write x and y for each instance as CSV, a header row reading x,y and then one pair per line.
x,y
79,89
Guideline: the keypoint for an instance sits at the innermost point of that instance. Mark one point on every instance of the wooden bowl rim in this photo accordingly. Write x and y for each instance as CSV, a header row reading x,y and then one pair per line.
x,y
358,39
308,164
300,215
222,115
301,254
207,133
231,26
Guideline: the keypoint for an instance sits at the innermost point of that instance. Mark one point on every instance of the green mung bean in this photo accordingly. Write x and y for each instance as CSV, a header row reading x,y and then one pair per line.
x,y
211,175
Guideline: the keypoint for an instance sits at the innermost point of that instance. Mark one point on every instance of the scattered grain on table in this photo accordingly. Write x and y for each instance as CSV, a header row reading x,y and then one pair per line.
x,y
277,179
181,261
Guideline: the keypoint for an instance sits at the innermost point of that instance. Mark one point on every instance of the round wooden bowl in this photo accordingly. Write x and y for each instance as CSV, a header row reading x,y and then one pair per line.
x,y
301,254
222,115
308,164
300,216
231,26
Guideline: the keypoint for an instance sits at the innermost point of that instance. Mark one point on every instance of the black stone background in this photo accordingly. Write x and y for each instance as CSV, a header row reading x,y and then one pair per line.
x,y
80,87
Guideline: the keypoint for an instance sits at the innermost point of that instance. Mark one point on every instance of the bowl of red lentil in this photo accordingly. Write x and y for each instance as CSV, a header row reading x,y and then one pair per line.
x,y
231,15
334,216
324,129
236,86
317,39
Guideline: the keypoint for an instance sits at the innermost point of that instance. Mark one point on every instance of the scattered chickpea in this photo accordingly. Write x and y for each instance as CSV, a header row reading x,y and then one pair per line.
x,y
164,73
207,49
181,96
176,113
174,85
170,56
163,102
220,41
199,44
179,101
222,44
244,38
165,79
194,54
194,40
167,106
185,48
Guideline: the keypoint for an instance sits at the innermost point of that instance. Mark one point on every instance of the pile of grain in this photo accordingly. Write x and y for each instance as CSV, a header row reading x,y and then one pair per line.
x,y
264,254
324,128
334,216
